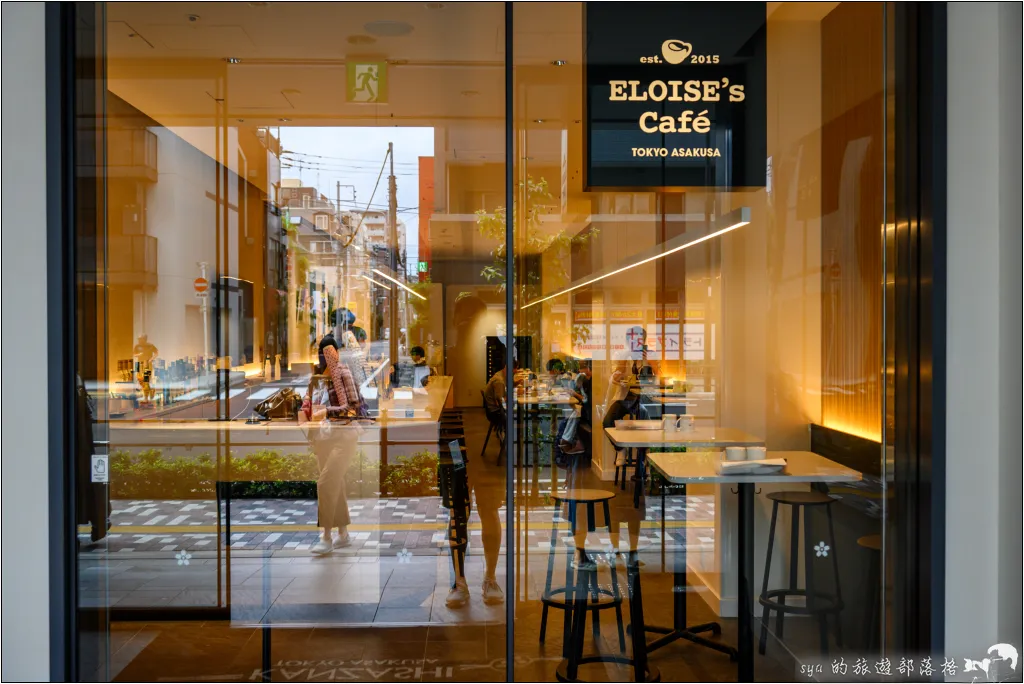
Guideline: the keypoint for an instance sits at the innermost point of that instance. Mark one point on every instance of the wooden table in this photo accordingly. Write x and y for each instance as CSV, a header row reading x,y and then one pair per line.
x,y
683,468
702,437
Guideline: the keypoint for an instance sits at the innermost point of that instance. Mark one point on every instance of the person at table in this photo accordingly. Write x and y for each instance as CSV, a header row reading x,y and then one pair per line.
x,y
582,391
494,392
556,372
419,365
622,397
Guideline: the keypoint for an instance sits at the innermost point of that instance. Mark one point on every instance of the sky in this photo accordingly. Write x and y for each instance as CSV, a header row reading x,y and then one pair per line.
x,y
353,156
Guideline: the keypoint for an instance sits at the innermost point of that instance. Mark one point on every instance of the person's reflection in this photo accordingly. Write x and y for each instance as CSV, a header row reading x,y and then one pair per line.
x,y
455,477
334,445
145,351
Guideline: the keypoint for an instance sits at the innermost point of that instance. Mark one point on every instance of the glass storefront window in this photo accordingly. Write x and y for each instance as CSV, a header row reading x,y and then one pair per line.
x,y
299,378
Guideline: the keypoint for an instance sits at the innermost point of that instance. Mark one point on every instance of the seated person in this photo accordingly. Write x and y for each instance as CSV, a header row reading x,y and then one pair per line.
x,y
556,373
630,368
494,392
421,370
581,390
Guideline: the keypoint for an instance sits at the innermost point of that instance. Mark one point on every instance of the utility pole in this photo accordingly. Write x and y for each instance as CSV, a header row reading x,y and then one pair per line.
x,y
393,242
342,278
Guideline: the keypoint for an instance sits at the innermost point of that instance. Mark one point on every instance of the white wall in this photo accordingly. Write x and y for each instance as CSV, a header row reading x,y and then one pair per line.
x,y
23,457
983,458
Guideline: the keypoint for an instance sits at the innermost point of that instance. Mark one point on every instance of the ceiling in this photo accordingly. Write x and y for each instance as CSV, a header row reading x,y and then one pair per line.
x,y
170,59
447,71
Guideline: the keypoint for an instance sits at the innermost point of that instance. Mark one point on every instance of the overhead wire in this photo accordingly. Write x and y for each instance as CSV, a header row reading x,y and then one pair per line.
x,y
355,232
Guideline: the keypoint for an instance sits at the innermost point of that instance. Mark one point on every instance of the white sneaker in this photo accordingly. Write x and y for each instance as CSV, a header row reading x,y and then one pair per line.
x,y
341,541
322,547
620,459
459,594
492,592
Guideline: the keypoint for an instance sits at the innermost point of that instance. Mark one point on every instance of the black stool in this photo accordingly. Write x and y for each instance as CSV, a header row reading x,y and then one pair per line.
x,y
873,543
817,603
576,617
572,498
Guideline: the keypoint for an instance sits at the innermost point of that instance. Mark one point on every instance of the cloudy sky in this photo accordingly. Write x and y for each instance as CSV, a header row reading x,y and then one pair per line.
x,y
353,156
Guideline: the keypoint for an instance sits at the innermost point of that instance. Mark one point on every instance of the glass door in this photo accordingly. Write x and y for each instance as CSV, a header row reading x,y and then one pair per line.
x,y
303,215
700,207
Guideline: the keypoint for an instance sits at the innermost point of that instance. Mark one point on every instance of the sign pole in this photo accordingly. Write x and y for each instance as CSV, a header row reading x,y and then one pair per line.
x,y
203,310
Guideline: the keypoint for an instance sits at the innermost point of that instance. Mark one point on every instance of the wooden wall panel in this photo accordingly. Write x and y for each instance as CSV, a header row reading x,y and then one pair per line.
x,y
852,203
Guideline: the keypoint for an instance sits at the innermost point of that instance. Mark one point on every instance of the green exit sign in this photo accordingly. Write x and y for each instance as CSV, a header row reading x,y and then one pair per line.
x,y
423,267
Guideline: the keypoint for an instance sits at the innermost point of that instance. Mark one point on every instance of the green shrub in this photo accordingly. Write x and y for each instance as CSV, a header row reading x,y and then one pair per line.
x,y
414,475
264,474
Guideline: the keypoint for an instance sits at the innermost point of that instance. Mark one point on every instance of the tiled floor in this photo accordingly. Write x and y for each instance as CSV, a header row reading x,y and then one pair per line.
x,y
367,613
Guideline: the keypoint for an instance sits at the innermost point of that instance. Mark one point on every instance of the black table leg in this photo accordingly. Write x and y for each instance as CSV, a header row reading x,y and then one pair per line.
x,y
679,629
745,578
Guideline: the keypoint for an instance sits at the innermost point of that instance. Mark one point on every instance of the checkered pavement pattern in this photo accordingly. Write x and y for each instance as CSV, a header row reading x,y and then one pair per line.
x,y
416,524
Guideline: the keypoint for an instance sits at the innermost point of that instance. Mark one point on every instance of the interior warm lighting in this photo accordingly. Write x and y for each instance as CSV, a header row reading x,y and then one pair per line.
x,y
376,282
743,219
856,431
401,285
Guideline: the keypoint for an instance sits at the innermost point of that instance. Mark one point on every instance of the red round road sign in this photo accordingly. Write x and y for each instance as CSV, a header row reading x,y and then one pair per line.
x,y
201,284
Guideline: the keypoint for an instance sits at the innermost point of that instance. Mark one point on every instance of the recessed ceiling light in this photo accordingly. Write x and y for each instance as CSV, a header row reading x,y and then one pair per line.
x,y
360,39
559,62
538,121
232,60
387,27
282,120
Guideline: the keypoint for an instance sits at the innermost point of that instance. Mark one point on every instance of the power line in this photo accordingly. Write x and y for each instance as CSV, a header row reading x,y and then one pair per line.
x,y
349,159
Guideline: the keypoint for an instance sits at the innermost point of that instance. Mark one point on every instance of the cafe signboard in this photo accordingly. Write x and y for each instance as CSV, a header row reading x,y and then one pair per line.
x,y
675,95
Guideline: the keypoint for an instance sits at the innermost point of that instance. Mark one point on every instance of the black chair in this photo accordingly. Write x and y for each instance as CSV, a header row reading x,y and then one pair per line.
x,y
495,424
816,603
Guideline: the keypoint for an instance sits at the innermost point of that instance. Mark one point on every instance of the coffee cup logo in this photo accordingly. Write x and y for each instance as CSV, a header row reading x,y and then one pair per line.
x,y
675,51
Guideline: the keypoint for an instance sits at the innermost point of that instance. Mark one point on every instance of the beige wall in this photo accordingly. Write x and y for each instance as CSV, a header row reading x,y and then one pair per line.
x,y
466,345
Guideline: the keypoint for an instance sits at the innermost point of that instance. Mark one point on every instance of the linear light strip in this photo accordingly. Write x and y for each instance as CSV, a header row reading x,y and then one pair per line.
x,y
680,248
375,282
401,285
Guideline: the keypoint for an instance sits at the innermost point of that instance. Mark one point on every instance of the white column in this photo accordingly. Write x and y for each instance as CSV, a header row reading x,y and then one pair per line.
x,y
26,574
983,327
